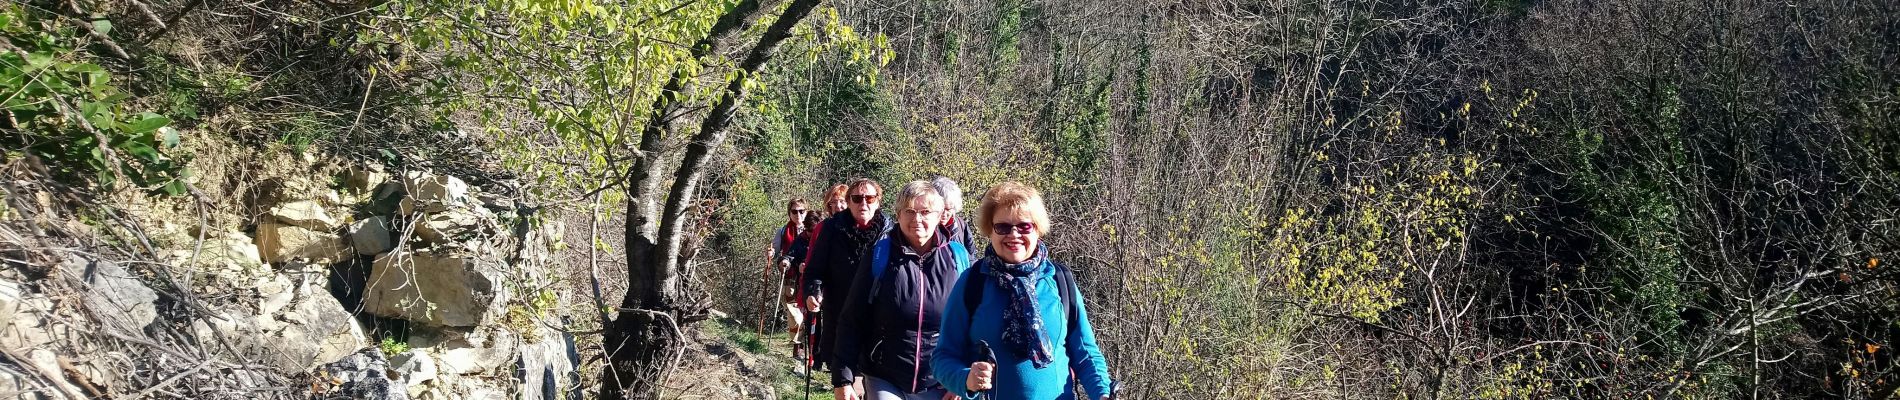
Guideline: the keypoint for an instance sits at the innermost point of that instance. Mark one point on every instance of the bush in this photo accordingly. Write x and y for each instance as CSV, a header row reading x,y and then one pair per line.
x,y
66,111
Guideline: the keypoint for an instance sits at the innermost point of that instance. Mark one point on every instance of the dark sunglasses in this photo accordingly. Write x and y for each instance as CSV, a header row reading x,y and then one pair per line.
x,y
1021,228
863,199
798,211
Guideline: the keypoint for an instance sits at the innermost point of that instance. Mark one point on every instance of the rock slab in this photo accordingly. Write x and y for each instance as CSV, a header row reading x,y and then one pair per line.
x,y
440,287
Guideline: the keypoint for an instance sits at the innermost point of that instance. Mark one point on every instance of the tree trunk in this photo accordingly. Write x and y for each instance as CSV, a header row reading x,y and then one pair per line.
x,y
646,339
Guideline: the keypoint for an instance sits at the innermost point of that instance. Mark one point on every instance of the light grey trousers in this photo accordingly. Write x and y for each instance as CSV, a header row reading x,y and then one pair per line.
x,y
878,389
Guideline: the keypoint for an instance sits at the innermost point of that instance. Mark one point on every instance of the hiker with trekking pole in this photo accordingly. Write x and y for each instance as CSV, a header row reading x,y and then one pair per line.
x,y
1025,306
834,203
780,257
837,252
791,264
887,327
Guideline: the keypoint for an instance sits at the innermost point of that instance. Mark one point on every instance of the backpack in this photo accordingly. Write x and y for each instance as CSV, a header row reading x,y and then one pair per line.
x,y
1065,285
881,260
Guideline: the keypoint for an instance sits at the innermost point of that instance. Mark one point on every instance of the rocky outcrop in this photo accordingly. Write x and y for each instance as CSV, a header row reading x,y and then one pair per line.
x,y
262,306
454,279
456,363
455,224
427,192
116,298
443,287
372,236
279,242
294,326
307,214
95,299
547,367
416,369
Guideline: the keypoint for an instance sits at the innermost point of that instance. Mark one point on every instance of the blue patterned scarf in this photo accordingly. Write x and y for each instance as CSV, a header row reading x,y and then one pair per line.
x,y
1022,319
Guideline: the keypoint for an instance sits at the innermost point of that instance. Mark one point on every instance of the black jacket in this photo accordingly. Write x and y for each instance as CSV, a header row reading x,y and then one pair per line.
x,y
801,246
888,326
959,230
835,256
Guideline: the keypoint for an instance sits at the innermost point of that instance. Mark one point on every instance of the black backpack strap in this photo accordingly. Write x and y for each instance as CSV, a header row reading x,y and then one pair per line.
x,y
973,291
1065,283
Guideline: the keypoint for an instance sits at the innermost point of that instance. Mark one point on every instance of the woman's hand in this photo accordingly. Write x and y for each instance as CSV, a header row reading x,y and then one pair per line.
x,y
844,393
811,303
980,375
947,395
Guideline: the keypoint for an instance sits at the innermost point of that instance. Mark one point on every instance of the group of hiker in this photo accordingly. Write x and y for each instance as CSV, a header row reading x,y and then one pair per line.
x,y
901,307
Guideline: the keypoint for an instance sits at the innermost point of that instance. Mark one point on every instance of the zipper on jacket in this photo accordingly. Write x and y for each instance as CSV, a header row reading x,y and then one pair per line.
x,y
917,354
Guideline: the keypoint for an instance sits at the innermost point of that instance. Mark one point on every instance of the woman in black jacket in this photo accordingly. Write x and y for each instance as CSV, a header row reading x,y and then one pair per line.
x,y
835,256
888,326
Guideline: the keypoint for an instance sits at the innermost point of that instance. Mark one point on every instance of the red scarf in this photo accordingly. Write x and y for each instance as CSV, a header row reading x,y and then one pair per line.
x,y
785,241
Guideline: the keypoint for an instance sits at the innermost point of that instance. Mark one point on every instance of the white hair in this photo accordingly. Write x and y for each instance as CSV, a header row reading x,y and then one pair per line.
x,y
952,195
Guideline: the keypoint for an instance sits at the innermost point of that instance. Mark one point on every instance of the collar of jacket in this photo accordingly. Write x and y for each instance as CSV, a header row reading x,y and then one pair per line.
x,y
903,245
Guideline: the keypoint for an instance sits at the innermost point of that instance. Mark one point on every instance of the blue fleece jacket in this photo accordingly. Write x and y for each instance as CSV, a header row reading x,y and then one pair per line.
x,y
1016,378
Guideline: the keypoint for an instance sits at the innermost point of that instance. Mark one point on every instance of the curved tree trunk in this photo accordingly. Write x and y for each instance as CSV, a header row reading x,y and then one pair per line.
x,y
646,340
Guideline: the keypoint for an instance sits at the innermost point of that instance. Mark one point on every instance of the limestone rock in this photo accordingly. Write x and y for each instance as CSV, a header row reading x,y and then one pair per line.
x,y
230,261
453,223
495,202
278,242
480,352
115,297
372,236
231,250
10,297
295,326
362,179
429,192
30,326
307,214
364,375
415,369
467,388
547,367
437,287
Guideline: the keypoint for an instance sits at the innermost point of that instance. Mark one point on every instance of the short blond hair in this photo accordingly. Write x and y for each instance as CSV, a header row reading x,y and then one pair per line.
x,y
1012,196
916,189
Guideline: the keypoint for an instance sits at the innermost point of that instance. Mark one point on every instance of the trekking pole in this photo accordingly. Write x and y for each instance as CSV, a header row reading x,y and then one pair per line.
x,y
989,356
811,350
771,300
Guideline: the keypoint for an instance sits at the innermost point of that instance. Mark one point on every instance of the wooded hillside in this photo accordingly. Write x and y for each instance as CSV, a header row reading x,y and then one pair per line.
x,y
1278,198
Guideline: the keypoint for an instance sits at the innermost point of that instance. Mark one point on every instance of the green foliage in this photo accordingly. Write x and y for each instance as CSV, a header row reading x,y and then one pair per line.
x,y
391,347
562,114
301,132
1007,33
68,112
1231,319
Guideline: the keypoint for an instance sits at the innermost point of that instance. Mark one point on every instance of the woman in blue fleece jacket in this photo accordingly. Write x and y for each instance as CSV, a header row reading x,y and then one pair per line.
x,y
1040,348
